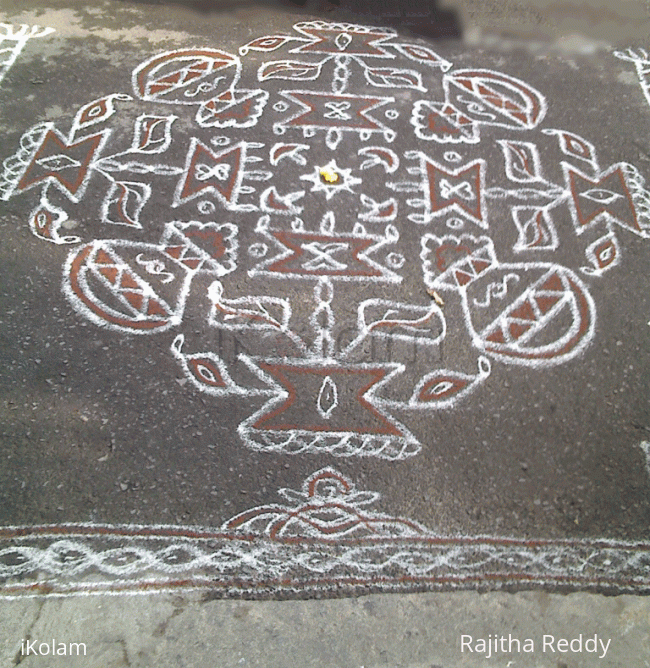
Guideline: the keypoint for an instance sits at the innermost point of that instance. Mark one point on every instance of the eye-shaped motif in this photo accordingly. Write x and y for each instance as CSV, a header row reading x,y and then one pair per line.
x,y
57,163
601,195
205,371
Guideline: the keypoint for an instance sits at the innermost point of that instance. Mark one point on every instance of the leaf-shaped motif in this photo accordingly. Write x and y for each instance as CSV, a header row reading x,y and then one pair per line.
x,y
327,397
124,203
603,254
97,111
393,77
522,161
536,229
265,44
205,371
574,145
386,318
294,70
444,387
94,112
578,147
152,134
252,312
424,55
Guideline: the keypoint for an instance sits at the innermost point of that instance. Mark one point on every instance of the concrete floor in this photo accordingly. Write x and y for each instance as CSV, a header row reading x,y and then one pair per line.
x,y
469,630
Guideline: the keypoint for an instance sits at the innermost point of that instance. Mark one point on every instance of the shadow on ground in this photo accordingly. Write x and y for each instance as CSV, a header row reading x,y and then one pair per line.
x,y
420,17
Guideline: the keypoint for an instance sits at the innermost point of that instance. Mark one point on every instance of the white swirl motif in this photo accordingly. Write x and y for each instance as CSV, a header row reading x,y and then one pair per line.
x,y
155,267
496,289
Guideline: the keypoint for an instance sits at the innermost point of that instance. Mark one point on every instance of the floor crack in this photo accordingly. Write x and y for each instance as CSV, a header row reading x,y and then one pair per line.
x,y
18,659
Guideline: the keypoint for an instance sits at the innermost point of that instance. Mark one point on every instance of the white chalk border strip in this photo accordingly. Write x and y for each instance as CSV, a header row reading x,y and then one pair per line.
x,y
84,559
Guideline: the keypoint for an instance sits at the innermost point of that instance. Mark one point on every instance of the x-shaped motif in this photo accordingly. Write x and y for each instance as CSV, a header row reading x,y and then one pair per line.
x,y
323,255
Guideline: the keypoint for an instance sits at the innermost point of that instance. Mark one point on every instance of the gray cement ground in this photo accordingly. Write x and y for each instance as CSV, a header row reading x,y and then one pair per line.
x,y
384,631
422,630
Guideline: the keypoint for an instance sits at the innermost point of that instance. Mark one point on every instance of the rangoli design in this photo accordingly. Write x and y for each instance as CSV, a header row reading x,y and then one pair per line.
x,y
13,40
316,210
641,60
269,241
324,537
